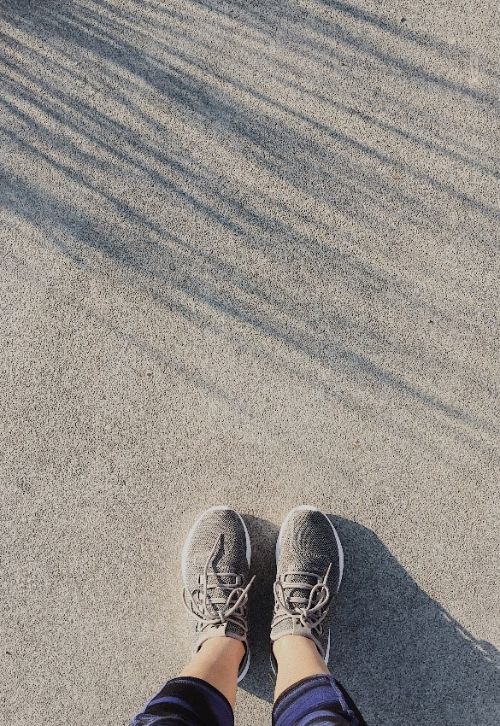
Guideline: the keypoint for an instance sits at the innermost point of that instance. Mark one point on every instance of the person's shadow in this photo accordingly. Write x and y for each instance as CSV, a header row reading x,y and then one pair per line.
x,y
402,657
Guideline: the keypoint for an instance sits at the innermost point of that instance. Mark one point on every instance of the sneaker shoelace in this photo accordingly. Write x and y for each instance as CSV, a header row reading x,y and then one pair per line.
x,y
210,605
302,601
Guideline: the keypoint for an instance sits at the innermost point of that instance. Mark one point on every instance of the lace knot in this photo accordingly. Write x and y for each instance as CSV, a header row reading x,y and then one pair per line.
x,y
306,603
215,604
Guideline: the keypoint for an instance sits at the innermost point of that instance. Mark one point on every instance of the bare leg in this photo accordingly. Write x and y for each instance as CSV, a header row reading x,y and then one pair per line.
x,y
217,662
297,658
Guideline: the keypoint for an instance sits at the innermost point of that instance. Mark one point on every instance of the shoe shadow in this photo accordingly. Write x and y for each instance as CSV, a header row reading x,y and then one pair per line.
x,y
402,657
400,654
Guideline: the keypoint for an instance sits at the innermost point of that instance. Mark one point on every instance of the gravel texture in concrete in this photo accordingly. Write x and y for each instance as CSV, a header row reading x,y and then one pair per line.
x,y
248,256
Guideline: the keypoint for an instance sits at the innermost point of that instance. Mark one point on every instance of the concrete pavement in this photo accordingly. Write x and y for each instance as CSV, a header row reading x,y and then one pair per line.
x,y
248,255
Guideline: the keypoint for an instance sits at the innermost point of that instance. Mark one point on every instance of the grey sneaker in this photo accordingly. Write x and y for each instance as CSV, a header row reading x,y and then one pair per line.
x,y
215,572
310,563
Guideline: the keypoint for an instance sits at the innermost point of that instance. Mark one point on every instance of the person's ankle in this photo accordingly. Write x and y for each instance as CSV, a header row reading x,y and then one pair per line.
x,y
230,646
297,657
288,642
300,651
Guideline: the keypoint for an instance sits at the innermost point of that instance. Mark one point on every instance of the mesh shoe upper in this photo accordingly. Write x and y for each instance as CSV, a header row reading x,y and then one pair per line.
x,y
309,570
215,570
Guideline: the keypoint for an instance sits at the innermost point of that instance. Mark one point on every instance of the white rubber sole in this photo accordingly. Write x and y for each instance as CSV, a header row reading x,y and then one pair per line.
x,y
245,669
308,508
248,553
